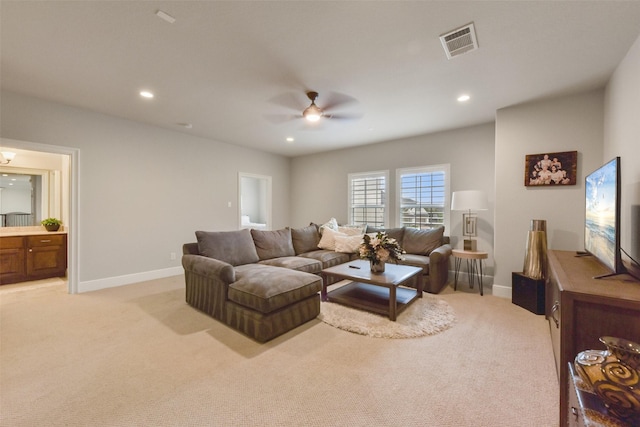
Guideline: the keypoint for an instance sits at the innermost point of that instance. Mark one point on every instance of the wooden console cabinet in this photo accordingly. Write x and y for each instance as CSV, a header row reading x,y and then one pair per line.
x,y
581,309
32,257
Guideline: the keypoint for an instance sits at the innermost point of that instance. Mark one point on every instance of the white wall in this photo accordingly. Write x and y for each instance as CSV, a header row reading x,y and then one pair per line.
x,y
319,181
563,124
143,190
622,138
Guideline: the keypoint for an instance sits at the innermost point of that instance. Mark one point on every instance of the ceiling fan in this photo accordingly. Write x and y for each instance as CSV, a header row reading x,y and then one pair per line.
x,y
314,113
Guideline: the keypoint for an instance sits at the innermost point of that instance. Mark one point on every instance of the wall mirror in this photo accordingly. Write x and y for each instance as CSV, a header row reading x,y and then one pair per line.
x,y
34,186
27,196
255,201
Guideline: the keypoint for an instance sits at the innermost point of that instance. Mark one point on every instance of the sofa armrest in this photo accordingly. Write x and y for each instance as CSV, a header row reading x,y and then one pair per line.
x,y
438,269
207,283
210,268
190,249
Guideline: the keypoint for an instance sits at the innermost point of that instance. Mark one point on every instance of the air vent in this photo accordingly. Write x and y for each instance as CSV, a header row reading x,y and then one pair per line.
x,y
459,41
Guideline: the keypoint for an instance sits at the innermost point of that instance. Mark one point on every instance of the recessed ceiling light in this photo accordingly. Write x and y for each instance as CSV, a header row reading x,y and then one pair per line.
x,y
146,94
463,98
290,139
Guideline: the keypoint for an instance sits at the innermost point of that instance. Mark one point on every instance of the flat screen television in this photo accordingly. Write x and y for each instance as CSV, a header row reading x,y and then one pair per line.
x,y
602,216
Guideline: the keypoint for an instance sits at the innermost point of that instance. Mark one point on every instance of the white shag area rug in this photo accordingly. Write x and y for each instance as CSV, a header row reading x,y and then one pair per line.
x,y
426,316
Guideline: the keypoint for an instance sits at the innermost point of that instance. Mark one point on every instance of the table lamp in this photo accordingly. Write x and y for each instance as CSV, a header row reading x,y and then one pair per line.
x,y
470,200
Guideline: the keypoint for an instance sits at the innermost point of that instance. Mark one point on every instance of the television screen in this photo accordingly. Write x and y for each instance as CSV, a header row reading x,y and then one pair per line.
x,y
602,215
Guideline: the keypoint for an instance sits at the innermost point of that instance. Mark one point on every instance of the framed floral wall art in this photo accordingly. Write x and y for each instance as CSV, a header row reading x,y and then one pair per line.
x,y
550,169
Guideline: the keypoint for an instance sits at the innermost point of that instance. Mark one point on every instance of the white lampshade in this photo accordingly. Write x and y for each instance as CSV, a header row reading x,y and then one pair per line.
x,y
470,200
9,155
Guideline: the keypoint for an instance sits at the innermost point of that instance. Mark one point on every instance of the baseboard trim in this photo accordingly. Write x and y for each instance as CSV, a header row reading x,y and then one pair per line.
x,y
502,291
489,287
112,282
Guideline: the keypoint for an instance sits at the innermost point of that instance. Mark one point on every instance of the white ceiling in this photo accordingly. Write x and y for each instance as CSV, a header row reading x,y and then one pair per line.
x,y
235,70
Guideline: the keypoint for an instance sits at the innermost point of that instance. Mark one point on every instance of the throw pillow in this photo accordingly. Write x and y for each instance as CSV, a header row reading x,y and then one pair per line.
x,y
352,230
305,239
328,239
273,244
232,247
422,242
348,244
332,224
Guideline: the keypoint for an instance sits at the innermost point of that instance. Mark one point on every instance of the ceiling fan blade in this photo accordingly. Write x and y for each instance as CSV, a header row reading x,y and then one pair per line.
x,y
281,118
289,100
343,116
333,100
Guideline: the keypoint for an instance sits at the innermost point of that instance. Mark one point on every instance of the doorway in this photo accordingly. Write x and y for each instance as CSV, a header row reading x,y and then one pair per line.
x,y
64,204
255,201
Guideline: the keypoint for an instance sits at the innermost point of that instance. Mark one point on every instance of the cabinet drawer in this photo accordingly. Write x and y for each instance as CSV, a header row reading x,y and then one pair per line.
x,y
11,242
52,240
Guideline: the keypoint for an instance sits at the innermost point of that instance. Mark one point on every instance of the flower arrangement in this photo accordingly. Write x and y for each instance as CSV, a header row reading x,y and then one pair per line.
x,y
380,249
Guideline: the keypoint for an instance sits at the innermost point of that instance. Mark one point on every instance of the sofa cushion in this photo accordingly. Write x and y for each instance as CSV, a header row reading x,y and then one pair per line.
x,y
421,261
394,233
273,244
299,263
266,289
305,239
327,258
232,247
422,242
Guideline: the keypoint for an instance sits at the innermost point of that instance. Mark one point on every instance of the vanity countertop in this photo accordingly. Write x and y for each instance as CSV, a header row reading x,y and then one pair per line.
x,y
28,231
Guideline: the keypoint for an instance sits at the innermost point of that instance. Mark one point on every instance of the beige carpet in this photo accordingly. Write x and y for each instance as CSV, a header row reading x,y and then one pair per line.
x,y
139,356
425,316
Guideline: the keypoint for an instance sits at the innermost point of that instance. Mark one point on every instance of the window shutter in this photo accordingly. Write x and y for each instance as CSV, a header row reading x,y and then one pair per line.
x,y
423,196
368,198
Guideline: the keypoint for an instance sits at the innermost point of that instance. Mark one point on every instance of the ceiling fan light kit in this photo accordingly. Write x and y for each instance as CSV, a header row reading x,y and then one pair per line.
x,y
312,113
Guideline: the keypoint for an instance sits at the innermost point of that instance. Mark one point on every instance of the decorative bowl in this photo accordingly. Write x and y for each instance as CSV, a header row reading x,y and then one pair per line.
x,y
615,381
625,351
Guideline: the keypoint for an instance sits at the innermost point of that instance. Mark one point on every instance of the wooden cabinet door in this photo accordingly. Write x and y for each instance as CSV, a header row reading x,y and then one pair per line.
x,y
46,256
12,260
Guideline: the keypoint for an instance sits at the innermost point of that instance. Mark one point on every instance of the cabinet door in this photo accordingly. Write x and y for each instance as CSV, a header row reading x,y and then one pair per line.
x,y
12,261
46,256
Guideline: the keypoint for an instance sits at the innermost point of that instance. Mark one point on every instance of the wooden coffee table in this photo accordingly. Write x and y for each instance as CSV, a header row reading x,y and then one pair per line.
x,y
376,292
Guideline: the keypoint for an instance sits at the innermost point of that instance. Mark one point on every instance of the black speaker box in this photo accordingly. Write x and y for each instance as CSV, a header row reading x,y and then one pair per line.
x,y
528,293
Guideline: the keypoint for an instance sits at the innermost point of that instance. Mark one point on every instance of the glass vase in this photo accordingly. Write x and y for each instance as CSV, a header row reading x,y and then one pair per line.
x,y
377,267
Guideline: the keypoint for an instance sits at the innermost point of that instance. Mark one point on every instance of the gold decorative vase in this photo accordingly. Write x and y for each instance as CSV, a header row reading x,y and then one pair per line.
x,y
613,375
535,259
377,267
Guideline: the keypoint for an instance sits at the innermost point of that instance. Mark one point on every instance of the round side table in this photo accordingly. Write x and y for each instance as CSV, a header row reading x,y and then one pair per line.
x,y
474,266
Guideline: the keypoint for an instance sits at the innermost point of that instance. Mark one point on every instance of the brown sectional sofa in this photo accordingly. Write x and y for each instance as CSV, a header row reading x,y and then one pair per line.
x,y
265,283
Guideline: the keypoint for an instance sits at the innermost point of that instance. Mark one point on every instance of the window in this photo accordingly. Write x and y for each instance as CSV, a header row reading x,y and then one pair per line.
x,y
368,198
423,196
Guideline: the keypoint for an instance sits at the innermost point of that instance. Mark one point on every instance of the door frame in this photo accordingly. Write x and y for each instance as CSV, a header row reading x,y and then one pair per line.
x,y
73,223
